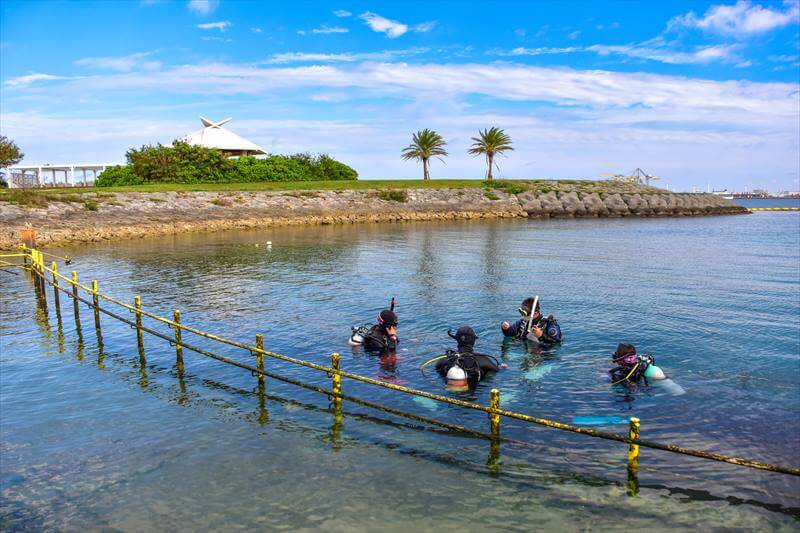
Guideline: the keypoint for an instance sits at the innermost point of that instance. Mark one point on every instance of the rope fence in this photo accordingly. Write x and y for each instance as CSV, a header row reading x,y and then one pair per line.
x,y
494,411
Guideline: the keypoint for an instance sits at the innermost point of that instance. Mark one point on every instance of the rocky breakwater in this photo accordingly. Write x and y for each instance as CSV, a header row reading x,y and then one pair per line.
x,y
569,204
60,217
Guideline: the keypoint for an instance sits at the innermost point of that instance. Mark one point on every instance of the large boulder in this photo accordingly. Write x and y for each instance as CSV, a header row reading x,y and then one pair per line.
x,y
572,205
551,205
592,204
615,205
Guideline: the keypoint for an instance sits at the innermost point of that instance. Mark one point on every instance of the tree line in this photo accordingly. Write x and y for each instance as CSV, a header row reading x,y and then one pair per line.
x,y
427,143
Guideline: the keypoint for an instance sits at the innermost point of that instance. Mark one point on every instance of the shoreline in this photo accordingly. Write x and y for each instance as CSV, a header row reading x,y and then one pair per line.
x,y
99,216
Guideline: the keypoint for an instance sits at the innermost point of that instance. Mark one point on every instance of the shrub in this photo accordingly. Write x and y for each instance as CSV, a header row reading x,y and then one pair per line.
x,y
90,205
393,196
507,186
490,195
179,163
183,163
298,167
116,176
335,170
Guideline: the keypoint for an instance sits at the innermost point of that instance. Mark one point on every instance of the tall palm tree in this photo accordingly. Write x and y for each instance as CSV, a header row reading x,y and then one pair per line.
x,y
424,145
490,143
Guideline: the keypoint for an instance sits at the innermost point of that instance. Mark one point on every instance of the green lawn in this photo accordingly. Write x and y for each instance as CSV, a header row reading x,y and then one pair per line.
x,y
41,197
274,186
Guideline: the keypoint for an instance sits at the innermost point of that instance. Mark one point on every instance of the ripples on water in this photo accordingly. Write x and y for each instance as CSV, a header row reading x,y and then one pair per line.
x,y
92,438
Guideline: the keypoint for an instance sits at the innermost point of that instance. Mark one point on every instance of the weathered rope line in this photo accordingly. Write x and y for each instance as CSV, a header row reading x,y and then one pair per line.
x,y
491,410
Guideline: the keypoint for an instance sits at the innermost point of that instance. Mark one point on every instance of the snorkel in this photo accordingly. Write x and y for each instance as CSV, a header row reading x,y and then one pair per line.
x,y
530,316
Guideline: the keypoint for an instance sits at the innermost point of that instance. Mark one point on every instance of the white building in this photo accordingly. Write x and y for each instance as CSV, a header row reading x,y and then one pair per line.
x,y
213,135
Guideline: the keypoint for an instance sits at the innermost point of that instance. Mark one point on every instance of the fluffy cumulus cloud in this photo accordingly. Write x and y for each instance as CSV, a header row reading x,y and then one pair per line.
x,y
377,23
741,19
222,25
202,7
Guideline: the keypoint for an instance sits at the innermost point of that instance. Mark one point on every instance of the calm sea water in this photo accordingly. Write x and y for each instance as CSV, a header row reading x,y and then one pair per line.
x,y
92,438
768,202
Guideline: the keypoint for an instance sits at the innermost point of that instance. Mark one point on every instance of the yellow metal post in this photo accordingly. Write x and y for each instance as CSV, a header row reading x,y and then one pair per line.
x,y
260,357
633,458
337,381
176,317
137,304
494,419
24,249
263,415
56,296
96,303
74,283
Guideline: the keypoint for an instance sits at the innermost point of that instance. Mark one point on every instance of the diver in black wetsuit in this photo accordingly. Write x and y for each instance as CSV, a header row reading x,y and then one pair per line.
x,y
544,330
382,337
474,366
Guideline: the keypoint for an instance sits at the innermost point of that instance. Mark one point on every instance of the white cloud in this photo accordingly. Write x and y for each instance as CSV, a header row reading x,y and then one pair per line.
x,y
221,25
218,39
349,57
329,29
255,30
741,19
686,126
424,27
573,35
120,63
341,13
202,7
679,97
377,23
653,50
520,32
29,79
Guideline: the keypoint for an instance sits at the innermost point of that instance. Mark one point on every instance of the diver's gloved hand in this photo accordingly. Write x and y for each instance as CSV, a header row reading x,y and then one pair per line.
x,y
504,326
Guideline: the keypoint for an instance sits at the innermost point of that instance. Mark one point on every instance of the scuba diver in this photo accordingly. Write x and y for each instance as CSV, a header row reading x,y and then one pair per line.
x,y
632,368
533,325
464,368
382,337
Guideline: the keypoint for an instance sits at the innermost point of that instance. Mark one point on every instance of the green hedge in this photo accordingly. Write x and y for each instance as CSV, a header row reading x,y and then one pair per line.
x,y
117,175
183,163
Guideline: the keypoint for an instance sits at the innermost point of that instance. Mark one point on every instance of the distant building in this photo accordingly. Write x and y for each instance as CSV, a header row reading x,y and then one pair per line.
x,y
213,135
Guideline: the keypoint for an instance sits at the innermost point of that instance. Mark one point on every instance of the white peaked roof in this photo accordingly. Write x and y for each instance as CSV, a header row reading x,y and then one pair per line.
x,y
213,135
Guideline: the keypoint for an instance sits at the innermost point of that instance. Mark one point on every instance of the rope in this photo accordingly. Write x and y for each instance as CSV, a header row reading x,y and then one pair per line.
x,y
452,401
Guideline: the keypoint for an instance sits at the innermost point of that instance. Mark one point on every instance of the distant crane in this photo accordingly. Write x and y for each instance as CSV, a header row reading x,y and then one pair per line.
x,y
637,176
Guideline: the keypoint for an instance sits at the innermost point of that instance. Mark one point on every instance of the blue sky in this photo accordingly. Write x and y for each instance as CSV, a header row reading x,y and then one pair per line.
x,y
697,92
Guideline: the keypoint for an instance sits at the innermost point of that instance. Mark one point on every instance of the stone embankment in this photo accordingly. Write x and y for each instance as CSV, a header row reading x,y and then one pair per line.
x,y
96,216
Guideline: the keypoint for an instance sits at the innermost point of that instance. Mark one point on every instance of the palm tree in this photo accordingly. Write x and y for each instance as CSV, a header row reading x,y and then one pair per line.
x,y
424,145
490,143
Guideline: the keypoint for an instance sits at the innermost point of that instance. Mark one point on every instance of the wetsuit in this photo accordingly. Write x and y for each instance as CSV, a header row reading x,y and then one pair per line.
x,y
517,329
476,365
378,340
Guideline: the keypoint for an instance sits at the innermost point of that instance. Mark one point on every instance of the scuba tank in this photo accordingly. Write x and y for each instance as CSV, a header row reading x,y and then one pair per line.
x,y
357,335
457,379
651,371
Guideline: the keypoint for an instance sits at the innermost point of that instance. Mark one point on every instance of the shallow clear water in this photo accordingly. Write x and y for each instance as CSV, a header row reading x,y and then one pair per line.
x,y
91,438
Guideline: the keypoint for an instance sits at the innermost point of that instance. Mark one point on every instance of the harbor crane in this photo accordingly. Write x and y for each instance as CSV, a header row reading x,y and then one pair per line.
x,y
637,176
